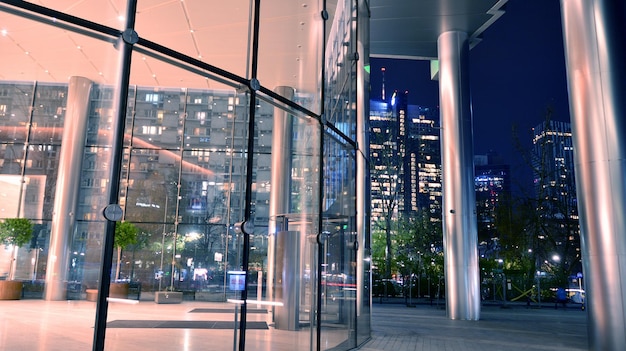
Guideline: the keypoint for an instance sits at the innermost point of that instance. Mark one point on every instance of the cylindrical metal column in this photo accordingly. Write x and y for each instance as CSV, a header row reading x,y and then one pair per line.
x,y
595,49
280,181
459,200
67,186
288,257
363,189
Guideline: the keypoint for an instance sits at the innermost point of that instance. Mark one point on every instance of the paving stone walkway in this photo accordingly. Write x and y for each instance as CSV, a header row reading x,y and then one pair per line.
x,y
396,327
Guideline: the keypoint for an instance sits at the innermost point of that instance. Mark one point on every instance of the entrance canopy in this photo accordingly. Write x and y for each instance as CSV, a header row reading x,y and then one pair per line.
x,y
410,29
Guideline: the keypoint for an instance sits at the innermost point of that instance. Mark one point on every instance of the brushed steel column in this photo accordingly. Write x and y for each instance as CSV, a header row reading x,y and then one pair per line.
x,y
595,53
67,187
363,188
280,184
459,199
288,263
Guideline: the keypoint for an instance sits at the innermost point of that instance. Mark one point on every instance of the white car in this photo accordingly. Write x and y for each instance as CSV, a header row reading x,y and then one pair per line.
x,y
576,295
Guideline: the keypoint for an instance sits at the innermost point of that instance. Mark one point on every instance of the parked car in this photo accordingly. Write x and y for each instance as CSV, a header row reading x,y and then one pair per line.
x,y
576,295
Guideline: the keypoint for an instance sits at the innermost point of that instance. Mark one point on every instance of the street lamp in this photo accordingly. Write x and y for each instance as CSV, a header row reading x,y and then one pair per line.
x,y
539,273
175,236
163,241
501,269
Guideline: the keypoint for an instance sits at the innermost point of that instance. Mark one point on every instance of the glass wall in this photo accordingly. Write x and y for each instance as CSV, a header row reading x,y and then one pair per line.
x,y
346,194
216,256
291,38
44,105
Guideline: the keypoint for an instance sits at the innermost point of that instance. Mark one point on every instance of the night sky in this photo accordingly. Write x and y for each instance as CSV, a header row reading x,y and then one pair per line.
x,y
517,72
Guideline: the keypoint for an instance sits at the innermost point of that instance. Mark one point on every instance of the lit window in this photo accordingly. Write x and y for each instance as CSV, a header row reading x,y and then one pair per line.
x,y
201,116
152,97
151,130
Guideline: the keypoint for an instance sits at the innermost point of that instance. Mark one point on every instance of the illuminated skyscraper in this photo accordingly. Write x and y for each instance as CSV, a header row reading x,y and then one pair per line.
x,y
553,164
493,186
406,157
555,192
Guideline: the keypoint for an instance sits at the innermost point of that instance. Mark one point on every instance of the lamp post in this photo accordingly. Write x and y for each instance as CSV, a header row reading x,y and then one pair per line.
x,y
174,256
411,281
501,269
163,242
175,236
420,270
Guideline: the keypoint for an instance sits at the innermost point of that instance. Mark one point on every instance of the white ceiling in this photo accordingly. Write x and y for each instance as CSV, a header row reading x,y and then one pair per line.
x,y
217,32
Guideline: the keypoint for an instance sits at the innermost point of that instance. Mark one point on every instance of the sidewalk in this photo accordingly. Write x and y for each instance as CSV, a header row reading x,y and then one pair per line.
x,y
396,327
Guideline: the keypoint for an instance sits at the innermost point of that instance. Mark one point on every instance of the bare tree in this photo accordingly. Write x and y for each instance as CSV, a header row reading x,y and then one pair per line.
x,y
550,216
385,172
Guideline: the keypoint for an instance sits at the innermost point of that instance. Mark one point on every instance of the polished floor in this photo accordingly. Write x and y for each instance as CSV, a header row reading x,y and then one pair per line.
x,y
69,325
29,325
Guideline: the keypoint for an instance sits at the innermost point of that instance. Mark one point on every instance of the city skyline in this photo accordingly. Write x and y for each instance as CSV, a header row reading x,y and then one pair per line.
x,y
515,76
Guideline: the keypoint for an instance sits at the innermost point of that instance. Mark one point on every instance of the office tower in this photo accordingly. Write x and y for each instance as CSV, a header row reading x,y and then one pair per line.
x,y
423,160
383,146
405,157
493,190
556,199
553,165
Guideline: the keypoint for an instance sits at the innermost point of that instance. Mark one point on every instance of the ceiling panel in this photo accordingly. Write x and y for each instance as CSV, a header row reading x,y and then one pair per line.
x,y
217,31
410,29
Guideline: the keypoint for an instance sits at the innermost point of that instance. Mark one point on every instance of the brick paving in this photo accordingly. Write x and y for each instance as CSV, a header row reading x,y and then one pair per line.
x,y
396,327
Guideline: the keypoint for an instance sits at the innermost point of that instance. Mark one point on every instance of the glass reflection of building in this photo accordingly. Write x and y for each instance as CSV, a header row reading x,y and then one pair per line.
x,y
205,147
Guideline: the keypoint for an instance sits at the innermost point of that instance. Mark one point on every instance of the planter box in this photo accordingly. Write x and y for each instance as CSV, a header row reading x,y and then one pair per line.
x,y
119,290
116,290
168,297
10,290
91,295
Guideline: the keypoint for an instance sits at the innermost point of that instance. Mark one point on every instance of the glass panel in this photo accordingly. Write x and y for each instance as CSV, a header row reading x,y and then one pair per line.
x,y
183,175
158,117
101,115
16,101
58,55
48,113
215,32
286,172
111,13
12,157
39,113
178,182
341,88
290,48
341,238
338,270
39,181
